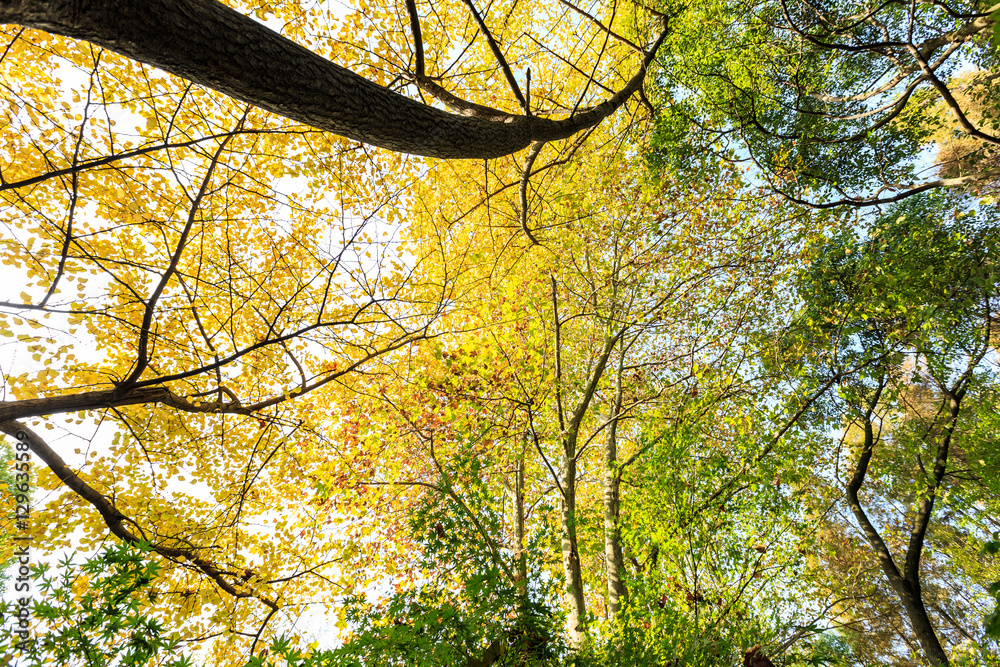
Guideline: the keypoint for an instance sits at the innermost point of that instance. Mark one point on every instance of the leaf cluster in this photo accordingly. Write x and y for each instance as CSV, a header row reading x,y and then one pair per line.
x,y
96,614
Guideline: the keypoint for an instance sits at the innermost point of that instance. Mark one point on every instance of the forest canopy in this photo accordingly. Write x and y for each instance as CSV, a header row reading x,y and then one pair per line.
x,y
520,332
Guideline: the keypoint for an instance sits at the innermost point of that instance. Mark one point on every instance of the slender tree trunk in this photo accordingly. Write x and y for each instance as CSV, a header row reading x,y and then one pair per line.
x,y
916,608
913,602
576,609
612,531
570,430
906,584
517,498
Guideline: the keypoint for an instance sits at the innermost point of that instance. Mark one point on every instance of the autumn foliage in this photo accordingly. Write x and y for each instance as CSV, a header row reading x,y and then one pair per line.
x,y
638,389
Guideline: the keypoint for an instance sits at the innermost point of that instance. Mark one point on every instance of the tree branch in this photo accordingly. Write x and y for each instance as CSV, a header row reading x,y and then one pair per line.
x,y
206,42
529,161
499,56
116,521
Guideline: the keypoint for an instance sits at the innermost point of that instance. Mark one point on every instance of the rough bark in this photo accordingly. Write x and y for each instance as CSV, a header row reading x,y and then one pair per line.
x,y
210,44
85,400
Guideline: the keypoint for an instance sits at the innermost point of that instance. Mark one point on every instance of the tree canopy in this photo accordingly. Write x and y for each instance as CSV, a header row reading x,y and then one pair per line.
x,y
829,100
615,333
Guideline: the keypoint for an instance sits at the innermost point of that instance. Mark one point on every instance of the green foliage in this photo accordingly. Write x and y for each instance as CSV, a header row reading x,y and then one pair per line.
x,y
827,649
710,570
916,280
810,96
93,614
7,506
467,604
991,624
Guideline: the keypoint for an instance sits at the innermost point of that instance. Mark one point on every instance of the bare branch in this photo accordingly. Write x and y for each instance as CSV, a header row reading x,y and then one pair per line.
x,y
418,39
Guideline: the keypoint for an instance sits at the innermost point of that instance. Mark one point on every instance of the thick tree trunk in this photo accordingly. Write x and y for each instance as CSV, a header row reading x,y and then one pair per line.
x,y
612,532
212,45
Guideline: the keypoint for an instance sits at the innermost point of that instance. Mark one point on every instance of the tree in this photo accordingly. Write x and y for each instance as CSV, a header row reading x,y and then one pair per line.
x,y
958,153
210,290
580,345
829,101
206,293
184,302
296,366
910,308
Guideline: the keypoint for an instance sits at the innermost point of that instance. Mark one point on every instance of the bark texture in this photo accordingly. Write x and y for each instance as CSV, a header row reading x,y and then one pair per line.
x,y
206,42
